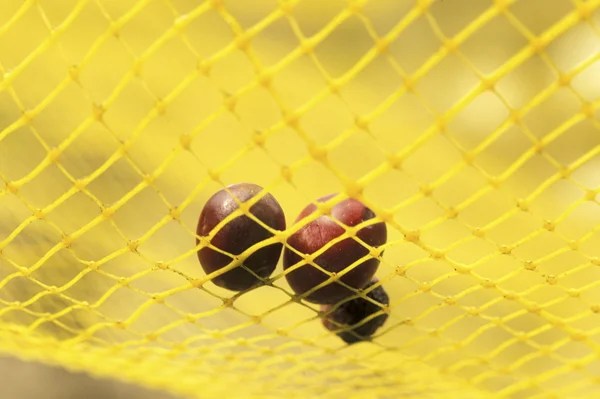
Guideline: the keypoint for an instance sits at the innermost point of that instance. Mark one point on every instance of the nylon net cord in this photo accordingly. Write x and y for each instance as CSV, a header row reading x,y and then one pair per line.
x,y
469,127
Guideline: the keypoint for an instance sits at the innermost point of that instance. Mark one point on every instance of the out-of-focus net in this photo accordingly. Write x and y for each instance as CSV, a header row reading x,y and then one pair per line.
x,y
469,126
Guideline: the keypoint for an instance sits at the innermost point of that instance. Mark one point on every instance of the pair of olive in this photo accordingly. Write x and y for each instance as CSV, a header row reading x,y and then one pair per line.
x,y
242,232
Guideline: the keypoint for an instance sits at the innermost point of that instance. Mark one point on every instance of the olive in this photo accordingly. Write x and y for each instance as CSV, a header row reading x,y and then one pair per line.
x,y
335,259
238,235
344,319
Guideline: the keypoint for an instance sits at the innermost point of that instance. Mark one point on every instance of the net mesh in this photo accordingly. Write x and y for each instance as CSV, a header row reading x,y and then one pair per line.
x,y
469,126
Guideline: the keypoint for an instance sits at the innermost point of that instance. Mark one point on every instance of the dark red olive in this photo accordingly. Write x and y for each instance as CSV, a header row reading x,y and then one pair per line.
x,y
238,235
348,314
316,234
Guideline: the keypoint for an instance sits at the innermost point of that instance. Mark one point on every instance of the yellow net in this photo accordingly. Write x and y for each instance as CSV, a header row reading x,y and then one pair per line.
x,y
471,127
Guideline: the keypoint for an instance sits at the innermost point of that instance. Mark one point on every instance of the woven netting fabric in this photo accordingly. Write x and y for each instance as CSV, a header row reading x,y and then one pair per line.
x,y
471,127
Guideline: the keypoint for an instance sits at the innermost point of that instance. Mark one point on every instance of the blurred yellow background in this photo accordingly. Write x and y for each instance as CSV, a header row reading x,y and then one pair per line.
x,y
469,126
57,383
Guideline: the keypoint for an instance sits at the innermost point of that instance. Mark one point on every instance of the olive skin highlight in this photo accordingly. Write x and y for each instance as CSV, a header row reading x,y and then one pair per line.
x,y
316,234
238,235
354,311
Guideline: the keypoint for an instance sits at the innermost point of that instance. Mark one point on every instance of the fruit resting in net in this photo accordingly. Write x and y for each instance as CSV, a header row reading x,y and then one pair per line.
x,y
318,233
344,319
238,235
